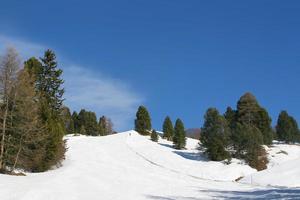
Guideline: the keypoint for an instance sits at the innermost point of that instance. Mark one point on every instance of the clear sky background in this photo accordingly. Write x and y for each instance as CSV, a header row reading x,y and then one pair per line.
x,y
177,57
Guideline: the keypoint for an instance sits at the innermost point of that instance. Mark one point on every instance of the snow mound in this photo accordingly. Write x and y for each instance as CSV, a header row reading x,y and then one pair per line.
x,y
283,168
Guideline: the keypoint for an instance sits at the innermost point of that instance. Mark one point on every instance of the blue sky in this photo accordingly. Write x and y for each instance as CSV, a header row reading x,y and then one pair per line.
x,y
176,57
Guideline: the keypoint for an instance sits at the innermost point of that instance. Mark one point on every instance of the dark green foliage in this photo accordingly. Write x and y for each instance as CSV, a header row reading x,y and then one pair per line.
x,y
249,112
215,135
230,116
49,84
248,142
75,121
89,121
154,136
263,123
168,129
34,67
143,121
105,126
67,120
82,130
49,89
287,128
247,108
179,139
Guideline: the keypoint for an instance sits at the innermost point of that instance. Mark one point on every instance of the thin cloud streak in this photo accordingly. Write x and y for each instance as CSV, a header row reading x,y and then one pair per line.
x,y
102,94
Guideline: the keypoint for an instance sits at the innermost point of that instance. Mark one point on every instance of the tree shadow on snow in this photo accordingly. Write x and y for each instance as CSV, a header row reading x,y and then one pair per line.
x,y
239,195
273,193
191,156
166,145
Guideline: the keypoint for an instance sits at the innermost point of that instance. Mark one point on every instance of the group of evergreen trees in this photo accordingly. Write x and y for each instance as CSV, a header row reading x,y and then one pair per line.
x,y
241,133
175,134
31,98
86,123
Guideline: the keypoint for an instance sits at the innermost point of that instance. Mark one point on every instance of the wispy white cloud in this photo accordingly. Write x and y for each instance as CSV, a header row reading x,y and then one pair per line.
x,y
87,89
100,93
25,48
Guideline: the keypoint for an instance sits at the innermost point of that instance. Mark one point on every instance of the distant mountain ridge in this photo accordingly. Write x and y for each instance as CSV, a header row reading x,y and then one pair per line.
x,y
193,133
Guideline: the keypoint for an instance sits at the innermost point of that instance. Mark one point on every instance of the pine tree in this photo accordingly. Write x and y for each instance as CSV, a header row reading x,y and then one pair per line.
x,y
154,136
82,130
287,128
49,87
75,121
89,121
250,113
67,120
179,139
215,135
105,126
143,121
231,117
168,129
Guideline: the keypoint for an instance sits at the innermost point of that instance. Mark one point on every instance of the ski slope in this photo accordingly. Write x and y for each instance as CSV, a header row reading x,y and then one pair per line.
x,y
128,166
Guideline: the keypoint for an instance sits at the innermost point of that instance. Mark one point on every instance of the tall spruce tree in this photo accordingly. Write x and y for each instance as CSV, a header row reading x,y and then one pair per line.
x,y
143,121
215,135
168,129
179,139
49,87
287,128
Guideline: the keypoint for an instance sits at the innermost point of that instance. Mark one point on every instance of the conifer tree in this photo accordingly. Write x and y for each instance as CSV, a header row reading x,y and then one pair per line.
x,y
143,121
287,128
250,113
168,130
105,126
215,135
154,136
179,138
49,87
75,122
82,130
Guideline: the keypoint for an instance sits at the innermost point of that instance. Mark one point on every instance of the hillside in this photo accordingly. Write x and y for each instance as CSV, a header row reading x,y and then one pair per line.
x,y
130,166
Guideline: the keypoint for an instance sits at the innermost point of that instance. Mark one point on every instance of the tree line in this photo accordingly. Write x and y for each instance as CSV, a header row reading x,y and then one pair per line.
x,y
31,98
85,123
238,133
175,134
33,118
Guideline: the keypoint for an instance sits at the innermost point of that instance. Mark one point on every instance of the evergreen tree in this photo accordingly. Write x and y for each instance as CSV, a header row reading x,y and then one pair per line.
x,y
143,121
67,120
179,139
75,121
49,87
105,126
250,113
231,117
215,135
287,128
154,136
82,130
264,124
168,129
89,121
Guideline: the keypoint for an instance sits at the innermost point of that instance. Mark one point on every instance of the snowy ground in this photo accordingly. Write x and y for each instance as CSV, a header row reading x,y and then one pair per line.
x,y
128,166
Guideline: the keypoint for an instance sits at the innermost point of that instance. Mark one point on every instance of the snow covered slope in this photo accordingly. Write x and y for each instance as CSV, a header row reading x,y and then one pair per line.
x,y
128,166
283,168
